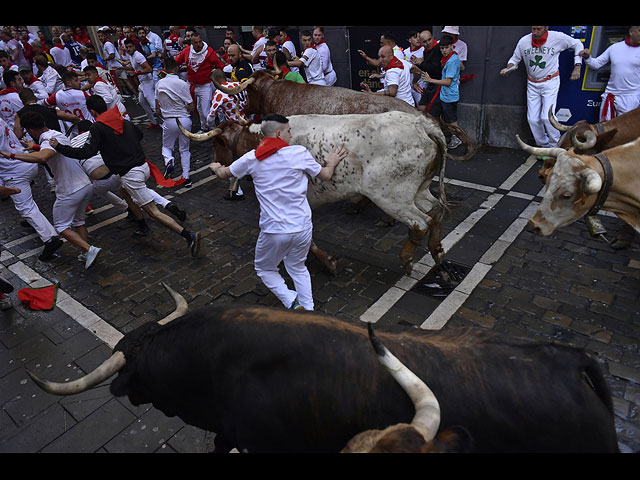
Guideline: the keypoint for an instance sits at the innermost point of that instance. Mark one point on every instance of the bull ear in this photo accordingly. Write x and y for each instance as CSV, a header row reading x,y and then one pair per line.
x,y
604,139
591,182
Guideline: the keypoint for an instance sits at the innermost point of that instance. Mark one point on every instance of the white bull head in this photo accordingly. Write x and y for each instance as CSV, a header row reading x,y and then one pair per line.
x,y
571,190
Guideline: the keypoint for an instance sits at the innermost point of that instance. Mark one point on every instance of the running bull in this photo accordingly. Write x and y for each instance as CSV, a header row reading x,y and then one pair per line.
x,y
267,94
393,157
580,185
273,380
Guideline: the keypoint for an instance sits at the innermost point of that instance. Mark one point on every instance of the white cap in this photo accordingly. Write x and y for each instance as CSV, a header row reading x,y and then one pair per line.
x,y
451,30
102,29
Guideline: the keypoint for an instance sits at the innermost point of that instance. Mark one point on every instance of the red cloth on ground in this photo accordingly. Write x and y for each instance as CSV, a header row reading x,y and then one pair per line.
x,y
43,298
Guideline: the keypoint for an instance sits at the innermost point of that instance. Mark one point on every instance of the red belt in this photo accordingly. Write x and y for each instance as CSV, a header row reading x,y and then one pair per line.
x,y
548,77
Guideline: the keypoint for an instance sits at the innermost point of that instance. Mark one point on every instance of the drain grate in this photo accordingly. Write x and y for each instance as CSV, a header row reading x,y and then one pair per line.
x,y
442,279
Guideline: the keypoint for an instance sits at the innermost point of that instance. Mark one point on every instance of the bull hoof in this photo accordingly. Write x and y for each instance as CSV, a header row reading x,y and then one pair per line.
x,y
623,238
332,265
408,267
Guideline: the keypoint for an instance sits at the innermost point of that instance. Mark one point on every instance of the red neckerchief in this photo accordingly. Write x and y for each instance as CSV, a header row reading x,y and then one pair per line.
x,y
286,39
435,44
257,40
269,146
174,38
539,41
59,45
394,63
413,49
444,60
320,42
627,40
113,119
8,90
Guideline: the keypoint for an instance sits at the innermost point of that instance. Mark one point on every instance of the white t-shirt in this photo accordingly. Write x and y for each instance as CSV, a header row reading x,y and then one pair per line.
x,y
109,94
137,59
401,77
313,67
291,48
540,62
52,80
61,56
281,183
625,68
110,48
89,164
262,58
10,103
173,96
67,172
9,143
72,101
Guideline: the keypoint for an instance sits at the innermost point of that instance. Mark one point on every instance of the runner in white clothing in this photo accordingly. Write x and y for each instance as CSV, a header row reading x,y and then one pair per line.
x,y
279,172
397,76
17,174
174,102
73,187
310,60
622,93
540,51
141,68
325,54
70,99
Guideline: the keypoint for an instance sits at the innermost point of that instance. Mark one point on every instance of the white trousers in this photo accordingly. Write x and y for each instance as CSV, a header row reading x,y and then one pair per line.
x,y
27,207
203,95
70,211
540,97
292,249
170,133
621,103
106,188
147,99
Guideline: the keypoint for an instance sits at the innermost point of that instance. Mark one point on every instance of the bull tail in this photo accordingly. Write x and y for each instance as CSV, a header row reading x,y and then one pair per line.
x,y
441,146
472,147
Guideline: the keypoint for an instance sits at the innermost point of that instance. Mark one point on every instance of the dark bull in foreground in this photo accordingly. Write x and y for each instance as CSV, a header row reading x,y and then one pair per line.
x,y
270,380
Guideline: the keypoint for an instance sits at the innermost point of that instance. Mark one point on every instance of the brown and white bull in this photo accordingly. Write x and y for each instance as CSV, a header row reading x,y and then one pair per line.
x,y
267,94
274,380
393,157
576,182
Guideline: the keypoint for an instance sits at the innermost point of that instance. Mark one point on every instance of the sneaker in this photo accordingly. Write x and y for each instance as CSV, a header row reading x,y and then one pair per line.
x,y
49,248
91,256
454,142
188,183
296,305
5,302
82,257
173,208
194,243
142,230
168,171
233,196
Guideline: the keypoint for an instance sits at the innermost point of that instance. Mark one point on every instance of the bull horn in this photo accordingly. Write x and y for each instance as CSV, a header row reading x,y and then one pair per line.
x,y
590,141
276,68
235,90
591,182
427,416
241,120
181,306
554,121
108,368
198,137
546,152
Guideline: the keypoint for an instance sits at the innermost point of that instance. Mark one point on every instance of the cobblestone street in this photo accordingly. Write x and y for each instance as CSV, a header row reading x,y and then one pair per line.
x,y
568,288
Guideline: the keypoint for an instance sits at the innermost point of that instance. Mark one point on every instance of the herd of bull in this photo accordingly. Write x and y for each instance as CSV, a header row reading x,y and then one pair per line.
x,y
272,380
